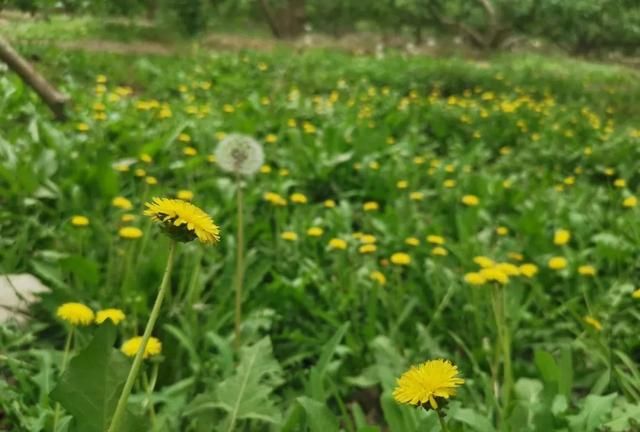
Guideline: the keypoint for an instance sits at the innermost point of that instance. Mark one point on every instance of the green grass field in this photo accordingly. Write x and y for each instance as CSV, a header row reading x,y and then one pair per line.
x,y
487,212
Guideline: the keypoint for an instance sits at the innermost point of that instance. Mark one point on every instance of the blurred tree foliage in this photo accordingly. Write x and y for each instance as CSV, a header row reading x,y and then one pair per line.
x,y
581,26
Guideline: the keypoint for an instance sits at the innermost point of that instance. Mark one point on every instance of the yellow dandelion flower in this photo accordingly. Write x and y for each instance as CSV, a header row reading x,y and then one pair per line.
x,y
75,314
130,233
139,172
289,236
189,151
183,221
439,251
412,241
271,138
474,278
298,198
367,248
185,195
561,237
620,183
515,256
283,172
630,202
508,269
146,158
402,184
315,231
337,244
435,239
127,217
484,262
502,231
370,206
636,294
378,277
449,183
122,203
275,199
557,263
400,259
587,270
185,138
367,238
423,384
82,127
416,196
470,200
495,275
150,180
265,169
528,270
130,347
79,221
593,322
329,203
115,315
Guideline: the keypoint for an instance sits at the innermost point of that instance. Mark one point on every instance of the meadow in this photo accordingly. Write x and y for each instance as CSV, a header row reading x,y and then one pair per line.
x,y
407,209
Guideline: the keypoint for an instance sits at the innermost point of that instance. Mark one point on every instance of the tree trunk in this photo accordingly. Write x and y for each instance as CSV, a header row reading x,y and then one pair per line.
x,y
287,21
53,98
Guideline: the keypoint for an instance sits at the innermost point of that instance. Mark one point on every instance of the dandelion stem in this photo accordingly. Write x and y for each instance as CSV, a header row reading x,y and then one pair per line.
x,y
239,262
443,425
137,361
63,367
504,348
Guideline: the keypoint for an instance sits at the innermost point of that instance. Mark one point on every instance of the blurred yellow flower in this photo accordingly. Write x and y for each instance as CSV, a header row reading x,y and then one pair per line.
x,y
130,232
189,151
557,263
435,239
122,203
75,314
379,277
619,183
593,322
484,262
412,241
271,138
370,206
367,248
130,347
329,203
630,202
298,198
474,278
494,274
528,270
139,172
367,238
127,217
439,251
337,244
636,294
82,127
561,237
402,184
315,231
185,195
502,231
275,199
185,138
79,221
265,169
470,200
151,180
416,196
400,258
587,270
449,183
289,236
115,315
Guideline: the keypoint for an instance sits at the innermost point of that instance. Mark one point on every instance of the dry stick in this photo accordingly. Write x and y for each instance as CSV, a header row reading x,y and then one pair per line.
x,y
239,262
53,98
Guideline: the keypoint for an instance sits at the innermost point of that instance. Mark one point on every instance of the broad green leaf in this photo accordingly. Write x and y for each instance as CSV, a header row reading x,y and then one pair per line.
x,y
246,394
595,412
90,387
319,371
319,417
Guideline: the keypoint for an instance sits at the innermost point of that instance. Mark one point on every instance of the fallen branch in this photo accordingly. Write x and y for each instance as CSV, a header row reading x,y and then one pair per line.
x,y
53,98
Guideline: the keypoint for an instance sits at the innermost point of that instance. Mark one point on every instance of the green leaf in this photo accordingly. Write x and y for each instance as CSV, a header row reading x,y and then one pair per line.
x,y
476,421
319,371
246,394
594,413
90,387
320,418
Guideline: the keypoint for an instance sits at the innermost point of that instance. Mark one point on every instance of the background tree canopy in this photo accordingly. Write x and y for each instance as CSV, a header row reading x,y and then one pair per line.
x,y
579,26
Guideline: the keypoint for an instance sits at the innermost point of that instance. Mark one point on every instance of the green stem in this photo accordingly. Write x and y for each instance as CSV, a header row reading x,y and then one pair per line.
x,y
443,425
504,347
239,263
63,367
137,361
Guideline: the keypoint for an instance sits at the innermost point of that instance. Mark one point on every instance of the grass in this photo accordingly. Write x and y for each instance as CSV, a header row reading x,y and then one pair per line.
x,y
542,143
